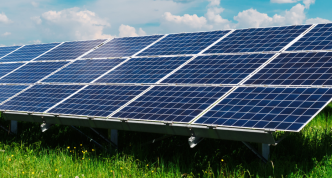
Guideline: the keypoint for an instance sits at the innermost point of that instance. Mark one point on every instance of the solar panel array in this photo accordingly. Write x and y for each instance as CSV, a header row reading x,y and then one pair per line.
x,y
260,78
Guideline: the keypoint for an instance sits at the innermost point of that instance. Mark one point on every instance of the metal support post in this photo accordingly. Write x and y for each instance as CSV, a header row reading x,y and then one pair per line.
x,y
113,136
193,141
265,150
13,126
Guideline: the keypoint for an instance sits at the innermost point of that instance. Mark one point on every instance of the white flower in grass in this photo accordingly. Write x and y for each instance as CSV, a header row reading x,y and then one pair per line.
x,y
76,177
60,175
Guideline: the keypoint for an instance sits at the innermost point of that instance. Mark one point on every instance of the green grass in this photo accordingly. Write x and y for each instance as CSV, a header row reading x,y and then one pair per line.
x,y
35,154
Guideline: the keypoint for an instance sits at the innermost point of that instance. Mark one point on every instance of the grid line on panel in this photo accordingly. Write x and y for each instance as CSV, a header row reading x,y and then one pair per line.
x,y
8,99
319,38
267,108
29,52
31,72
8,91
97,100
5,69
123,47
258,39
218,69
183,43
296,69
143,70
171,103
70,50
223,37
39,98
5,51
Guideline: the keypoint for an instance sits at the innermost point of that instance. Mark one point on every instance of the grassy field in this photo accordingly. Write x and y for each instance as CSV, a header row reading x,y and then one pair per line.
x,y
63,152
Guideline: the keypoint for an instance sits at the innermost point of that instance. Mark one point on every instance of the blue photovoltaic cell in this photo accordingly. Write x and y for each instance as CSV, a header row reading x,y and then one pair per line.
x,y
296,69
258,39
6,68
6,50
83,71
222,69
39,98
183,43
7,91
28,52
32,72
121,47
319,38
172,103
70,50
268,108
143,70
98,100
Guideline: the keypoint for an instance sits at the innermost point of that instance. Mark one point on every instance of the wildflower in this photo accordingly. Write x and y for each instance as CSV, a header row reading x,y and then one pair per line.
x,y
120,167
70,150
82,151
222,160
56,170
82,158
147,165
33,172
111,170
22,172
152,171
68,147
74,147
12,155
82,175
9,159
77,177
60,175
93,149
80,144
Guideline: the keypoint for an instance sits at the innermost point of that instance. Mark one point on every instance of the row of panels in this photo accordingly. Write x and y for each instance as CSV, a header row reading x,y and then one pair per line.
x,y
244,40
286,69
247,107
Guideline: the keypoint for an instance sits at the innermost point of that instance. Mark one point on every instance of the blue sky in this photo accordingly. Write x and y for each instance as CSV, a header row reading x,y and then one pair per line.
x,y
44,21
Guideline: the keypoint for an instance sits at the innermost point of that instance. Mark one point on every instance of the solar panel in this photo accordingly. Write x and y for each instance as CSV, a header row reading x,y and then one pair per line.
x,y
70,50
84,71
218,69
172,103
39,98
143,70
7,91
32,72
296,69
319,38
6,68
6,50
98,100
28,52
183,43
123,47
268,108
258,39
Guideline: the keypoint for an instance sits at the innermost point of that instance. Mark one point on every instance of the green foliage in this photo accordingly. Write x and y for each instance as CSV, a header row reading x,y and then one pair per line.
x,y
63,152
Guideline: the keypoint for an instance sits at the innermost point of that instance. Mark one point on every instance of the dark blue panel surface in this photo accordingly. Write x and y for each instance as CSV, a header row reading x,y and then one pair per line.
x,y
258,39
319,38
28,52
268,108
296,69
6,68
7,50
121,47
143,70
84,71
223,69
172,103
183,43
70,50
98,100
7,91
32,72
39,98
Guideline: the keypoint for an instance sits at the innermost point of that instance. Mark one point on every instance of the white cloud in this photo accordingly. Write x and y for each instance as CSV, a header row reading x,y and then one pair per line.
x,y
34,4
193,21
283,1
316,20
253,18
36,41
214,2
126,30
4,18
74,24
307,3
36,19
6,34
141,32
